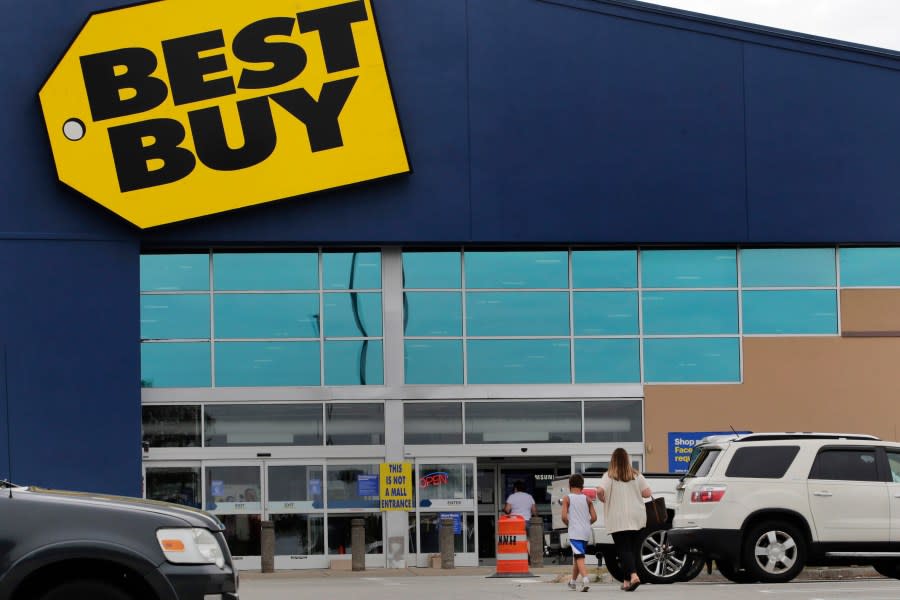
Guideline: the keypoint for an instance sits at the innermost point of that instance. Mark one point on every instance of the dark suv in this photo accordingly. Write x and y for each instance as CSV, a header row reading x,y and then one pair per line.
x,y
58,545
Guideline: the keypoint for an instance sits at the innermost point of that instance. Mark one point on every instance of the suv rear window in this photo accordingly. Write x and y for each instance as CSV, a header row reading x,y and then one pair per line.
x,y
764,461
846,464
702,461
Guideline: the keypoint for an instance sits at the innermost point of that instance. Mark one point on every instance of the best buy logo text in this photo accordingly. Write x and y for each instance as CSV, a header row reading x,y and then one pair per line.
x,y
181,108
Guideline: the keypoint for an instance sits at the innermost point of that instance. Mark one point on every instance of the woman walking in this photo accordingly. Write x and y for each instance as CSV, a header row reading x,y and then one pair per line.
x,y
622,490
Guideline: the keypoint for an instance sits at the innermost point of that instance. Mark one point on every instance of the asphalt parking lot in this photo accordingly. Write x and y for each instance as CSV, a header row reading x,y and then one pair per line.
x,y
373,585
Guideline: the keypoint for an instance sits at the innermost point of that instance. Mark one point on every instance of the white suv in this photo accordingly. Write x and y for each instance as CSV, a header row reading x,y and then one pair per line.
x,y
765,505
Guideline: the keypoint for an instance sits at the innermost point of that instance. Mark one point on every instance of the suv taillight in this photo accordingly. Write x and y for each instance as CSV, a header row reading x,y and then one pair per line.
x,y
707,494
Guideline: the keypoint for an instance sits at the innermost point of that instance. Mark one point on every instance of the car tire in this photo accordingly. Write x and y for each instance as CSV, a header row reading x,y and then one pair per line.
x,y
774,551
613,565
695,568
657,561
888,569
92,589
733,574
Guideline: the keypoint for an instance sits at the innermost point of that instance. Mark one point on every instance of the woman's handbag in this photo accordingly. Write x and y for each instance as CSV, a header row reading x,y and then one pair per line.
x,y
656,512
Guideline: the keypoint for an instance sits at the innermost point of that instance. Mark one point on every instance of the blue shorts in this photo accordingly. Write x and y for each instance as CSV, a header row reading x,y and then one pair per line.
x,y
578,547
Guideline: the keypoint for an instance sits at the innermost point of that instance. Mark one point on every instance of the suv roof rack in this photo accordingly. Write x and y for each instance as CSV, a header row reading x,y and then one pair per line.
x,y
804,435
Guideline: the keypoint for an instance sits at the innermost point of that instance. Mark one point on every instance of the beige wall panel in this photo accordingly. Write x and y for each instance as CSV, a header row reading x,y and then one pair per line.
x,y
870,311
790,384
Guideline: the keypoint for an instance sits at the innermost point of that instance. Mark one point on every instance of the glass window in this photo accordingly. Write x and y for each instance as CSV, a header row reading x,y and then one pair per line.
x,y
178,485
302,535
613,421
848,464
894,463
241,316
248,364
263,424
354,424
605,313
431,314
692,360
175,365
351,270
517,313
608,361
463,531
353,486
519,361
339,533
768,462
174,272
790,311
433,361
444,482
432,423
508,269
233,489
295,487
242,533
432,270
354,362
702,461
168,316
604,268
675,313
170,426
266,271
865,267
353,315
536,422
688,268
788,267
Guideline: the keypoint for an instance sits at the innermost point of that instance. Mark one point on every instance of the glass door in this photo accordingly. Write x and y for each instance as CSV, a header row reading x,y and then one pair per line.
x,y
233,492
295,503
489,505
446,489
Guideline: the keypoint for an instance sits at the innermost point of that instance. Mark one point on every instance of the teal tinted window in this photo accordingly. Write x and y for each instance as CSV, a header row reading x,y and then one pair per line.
x,y
241,316
248,364
605,313
518,361
432,270
607,361
688,268
351,270
507,269
354,362
604,268
353,315
168,316
685,313
862,267
433,361
266,271
788,267
790,311
432,314
175,365
692,360
517,313
174,272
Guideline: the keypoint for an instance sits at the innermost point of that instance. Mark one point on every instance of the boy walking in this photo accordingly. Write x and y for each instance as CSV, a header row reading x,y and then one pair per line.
x,y
578,513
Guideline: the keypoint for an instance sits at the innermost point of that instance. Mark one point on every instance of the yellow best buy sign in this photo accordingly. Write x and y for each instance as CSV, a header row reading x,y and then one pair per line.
x,y
176,109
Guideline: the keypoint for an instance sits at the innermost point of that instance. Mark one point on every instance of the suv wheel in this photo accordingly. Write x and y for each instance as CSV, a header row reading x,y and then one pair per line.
x,y
657,561
888,569
613,564
95,590
730,573
774,551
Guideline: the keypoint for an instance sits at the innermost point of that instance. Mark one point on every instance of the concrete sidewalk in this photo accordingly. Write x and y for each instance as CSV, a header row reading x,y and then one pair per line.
x,y
550,574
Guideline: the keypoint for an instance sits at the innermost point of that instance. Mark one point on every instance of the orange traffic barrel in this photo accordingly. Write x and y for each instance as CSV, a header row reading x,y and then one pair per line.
x,y
512,547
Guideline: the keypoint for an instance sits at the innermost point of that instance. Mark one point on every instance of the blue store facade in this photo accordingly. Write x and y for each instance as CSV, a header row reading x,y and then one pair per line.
x,y
620,221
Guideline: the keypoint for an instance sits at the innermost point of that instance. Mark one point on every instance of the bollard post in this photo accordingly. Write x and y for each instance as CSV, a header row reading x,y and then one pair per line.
x,y
536,541
446,544
267,546
357,545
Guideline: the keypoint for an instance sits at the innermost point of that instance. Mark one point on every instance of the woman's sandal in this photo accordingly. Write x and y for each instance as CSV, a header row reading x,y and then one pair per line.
x,y
632,586
626,587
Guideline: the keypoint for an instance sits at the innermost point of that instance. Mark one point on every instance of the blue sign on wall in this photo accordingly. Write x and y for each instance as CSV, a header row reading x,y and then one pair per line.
x,y
681,444
457,521
367,485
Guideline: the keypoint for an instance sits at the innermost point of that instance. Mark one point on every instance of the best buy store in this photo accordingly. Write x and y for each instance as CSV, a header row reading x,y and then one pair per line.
x,y
286,249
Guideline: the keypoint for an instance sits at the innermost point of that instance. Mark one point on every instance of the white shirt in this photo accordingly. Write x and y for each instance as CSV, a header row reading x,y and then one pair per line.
x,y
579,518
624,507
520,503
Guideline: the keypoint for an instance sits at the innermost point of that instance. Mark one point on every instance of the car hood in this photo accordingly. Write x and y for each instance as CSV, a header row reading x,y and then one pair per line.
x,y
194,517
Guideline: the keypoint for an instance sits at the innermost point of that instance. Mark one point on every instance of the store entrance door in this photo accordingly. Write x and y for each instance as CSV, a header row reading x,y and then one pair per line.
x,y
496,479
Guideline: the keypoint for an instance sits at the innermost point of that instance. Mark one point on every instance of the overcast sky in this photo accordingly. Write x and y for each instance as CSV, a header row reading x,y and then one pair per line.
x,y
871,22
